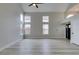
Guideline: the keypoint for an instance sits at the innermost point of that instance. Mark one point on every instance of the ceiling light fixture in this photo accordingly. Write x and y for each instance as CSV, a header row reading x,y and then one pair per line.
x,y
70,16
34,4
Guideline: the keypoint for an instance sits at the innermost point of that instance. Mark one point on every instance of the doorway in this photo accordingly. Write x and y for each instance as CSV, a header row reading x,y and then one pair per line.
x,y
68,31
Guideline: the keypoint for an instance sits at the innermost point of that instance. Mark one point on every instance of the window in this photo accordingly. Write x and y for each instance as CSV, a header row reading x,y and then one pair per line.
x,y
45,29
21,18
27,28
45,24
27,25
27,19
45,18
21,24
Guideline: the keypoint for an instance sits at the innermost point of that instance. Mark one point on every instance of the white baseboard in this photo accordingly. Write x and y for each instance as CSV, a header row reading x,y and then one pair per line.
x,y
74,42
45,38
10,44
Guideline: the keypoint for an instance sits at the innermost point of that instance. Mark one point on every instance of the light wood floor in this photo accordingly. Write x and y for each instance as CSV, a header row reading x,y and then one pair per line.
x,y
42,47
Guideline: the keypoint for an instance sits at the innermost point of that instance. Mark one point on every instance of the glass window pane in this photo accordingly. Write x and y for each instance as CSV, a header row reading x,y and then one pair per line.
x,y
45,31
27,28
45,28
27,18
21,18
45,18
27,25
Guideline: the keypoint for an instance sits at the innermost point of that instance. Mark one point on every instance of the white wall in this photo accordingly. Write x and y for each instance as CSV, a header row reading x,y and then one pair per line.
x,y
9,23
56,30
75,29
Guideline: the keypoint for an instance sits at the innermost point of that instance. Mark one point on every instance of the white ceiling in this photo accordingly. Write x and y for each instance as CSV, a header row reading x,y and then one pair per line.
x,y
46,7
